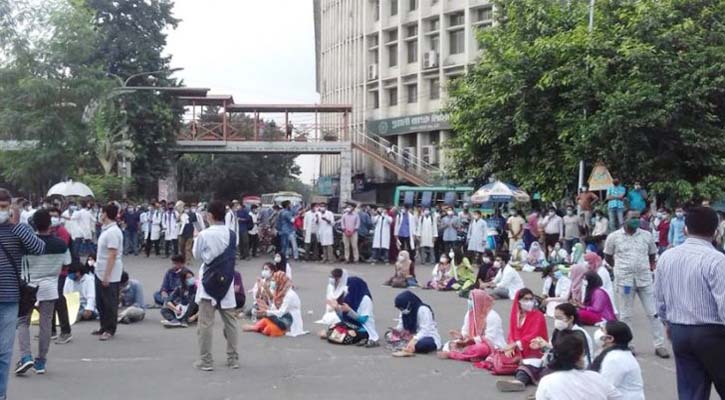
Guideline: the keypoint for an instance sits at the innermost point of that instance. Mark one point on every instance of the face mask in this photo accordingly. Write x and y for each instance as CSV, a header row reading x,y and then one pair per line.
x,y
526,305
426,212
186,210
557,246
72,208
91,262
55,221
497,264
558,275
266,273
560,325
277,259
129,209
323,209
569,212
633,224
599,337
470,304
551,213
449,212
193,210
659,215
190,282
679,214
273,286
348,210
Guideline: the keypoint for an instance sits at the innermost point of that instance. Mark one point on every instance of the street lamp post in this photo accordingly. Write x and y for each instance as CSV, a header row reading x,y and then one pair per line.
x,y
591,28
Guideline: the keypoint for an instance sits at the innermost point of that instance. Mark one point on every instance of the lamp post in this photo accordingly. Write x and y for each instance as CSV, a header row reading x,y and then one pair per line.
x,y
591,29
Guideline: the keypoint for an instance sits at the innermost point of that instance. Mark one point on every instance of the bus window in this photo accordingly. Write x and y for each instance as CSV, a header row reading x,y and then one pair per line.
x,y
426,199
409,199
450,199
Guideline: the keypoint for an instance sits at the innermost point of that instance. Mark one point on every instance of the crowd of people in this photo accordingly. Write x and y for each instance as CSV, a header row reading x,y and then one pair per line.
x,y
592,270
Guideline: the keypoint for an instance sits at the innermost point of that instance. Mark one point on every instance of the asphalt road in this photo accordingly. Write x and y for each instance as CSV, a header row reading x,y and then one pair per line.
x,y
147,361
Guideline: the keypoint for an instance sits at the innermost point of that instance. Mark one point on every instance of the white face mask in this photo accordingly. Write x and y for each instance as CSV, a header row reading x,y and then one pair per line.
x,y
4,216
449,212
266,273
405,312
551,213
443,260
277,259
55,221
497,264
560,325
486,260
331,281
401,258
679,214
526,305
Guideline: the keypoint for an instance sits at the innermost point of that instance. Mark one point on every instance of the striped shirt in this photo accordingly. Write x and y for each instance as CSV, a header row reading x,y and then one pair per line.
x,y
17,240
690,284
44,269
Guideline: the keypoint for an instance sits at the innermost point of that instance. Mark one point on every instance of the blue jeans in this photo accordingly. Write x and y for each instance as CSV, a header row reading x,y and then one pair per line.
x,y
616,218
293,241
699,351
131,242
426,345
380,255
8,322
283,243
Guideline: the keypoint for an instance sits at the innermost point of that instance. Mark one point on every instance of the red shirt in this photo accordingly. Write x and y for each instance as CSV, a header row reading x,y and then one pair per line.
x,y
62,233
664,230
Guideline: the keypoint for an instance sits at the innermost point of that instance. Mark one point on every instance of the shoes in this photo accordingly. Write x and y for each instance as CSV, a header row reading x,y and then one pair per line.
x,y
174,324
662,352
97,332
24,365
105,336
39,367
124,320
233,363
361,343
371,344
64,338
510,385
201,366
401,354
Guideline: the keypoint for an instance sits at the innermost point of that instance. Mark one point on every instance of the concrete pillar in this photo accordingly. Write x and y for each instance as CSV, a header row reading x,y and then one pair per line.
x,y
168,187
345,177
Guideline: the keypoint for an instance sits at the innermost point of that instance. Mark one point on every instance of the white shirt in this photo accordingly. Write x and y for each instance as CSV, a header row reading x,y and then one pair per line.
x,y
494,329
562,290
85,223
111,238
508,278
600,227
71,223
290,304
622,370
209,244
576,385
426,326
366,309
86,287
25,215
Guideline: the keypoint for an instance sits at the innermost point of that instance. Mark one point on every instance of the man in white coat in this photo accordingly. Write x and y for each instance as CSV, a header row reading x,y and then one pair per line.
x,y
170,226
156,216
381,236
310,227
477,234
208,245
325,221
230,218
427,233
405,228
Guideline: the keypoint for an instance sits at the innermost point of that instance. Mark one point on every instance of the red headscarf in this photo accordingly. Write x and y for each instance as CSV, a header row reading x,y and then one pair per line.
x,y
534,326
482,305
593,260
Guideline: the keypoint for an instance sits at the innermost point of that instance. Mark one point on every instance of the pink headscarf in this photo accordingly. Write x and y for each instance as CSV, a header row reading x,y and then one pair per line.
x,y
593,260
576,274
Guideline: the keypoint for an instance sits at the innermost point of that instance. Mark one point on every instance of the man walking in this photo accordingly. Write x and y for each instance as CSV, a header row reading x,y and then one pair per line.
x,y
350,224
216,248
676,234
690,292
631,252
16,240
285,227
245,221
109,267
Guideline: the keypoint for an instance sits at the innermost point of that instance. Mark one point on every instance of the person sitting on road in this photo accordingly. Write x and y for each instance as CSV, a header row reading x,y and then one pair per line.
x,y
519,257
260,291
402,275
568,380
416,327
444,275
556,290
172,279
282,264
558,255
486,272
356,318
131,305
181,309
239,297
282,313
597,305
507,281
481,334
337,282
81,280
536,259
616,362
466,274
526,323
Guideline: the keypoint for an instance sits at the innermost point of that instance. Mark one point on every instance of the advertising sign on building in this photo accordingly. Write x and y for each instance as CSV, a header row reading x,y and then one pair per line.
x,y
408,124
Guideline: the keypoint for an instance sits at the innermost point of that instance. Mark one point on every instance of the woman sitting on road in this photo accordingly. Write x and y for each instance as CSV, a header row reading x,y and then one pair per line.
x,y
417,326
597,306
536,259
519,257
402,275
282,314
356,318
486,272
482,331
526,323
616,362
337,282
260,291
556,290
594,262
444,275
181,308
282,264
466,274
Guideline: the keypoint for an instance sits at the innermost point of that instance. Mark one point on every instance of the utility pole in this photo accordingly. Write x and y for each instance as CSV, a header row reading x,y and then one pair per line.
x,y
591,29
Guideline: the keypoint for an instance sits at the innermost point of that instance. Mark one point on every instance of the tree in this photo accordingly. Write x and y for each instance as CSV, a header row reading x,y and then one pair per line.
x,y
642,93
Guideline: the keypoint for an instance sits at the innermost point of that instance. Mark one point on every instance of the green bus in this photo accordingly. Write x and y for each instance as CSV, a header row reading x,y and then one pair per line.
x,y
431,196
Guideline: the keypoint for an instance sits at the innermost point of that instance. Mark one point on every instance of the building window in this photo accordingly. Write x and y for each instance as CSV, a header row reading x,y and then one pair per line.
x,y
434,42
392,55
412,5
455,19
435,88
412,93
484,14
411,30
393,7
393,96
376,99
392,35
458,40
412,51
434,24
376,10
434,137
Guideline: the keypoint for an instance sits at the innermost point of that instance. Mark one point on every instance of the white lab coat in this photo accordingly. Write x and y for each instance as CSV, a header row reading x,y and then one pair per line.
x,y
622,370
325,232
86,288
232,222
290,304
156,218
170,224
333,293
412,227
508,278
85,224
477,236
493,332
145,224
366,309
427,230
381,236
71,224
309,225
426,326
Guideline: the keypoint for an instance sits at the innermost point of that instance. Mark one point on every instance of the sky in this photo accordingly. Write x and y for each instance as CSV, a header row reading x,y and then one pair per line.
x,y
259,51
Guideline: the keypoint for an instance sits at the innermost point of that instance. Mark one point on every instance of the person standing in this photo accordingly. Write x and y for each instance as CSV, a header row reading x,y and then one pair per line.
x,y
154,236
450,225
515,227
405,231
586,200
690,293
427,234
108,270
553,226
381,236
85,224
676,234
637,198
364,231
631,252
325,221
216,248
171,231
309,226
572,229
254,230
285,227
27,212
615,205
230,218
132,219
350,224
245,221
662,228
477,234
61,306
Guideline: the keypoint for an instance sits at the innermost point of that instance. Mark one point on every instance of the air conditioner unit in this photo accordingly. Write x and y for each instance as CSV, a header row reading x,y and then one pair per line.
x,y
372,71
430,59
430,154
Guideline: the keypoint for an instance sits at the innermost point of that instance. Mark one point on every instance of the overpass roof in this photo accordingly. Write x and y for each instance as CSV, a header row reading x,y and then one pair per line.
x,y
292,108
208,100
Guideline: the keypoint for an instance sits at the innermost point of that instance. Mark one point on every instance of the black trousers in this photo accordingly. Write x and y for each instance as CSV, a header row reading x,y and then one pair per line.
x,y
254,244
174,244
405,245
699,354
155,244
243,245
550,240
107,304
61,309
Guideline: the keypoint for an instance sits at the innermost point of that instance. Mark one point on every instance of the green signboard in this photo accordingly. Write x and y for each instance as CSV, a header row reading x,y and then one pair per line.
x,y
408,124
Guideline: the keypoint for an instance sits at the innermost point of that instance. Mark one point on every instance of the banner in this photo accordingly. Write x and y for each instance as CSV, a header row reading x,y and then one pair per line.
x,y
600,179
408,124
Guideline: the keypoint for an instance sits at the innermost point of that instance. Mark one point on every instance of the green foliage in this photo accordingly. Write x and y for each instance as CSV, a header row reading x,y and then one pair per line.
x,y
104,187
642,93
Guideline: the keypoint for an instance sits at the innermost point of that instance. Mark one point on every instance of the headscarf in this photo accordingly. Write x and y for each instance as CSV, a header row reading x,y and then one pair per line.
x,y
576,274
577,254
534,326
356,290
593,261
518,248
403,266
409,301
283,285
482,305
535,253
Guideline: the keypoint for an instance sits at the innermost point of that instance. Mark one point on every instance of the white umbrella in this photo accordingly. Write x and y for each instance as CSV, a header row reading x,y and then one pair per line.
x,y
70,188
499,192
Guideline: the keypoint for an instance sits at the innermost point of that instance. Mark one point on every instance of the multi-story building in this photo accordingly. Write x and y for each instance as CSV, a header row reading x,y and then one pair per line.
x,y
392,60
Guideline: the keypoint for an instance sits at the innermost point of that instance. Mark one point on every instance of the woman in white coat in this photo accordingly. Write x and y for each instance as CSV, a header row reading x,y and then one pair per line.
x,y
170,226
153,234
336,287
406,243
325,222
282,314
381,236
427,234
477,234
